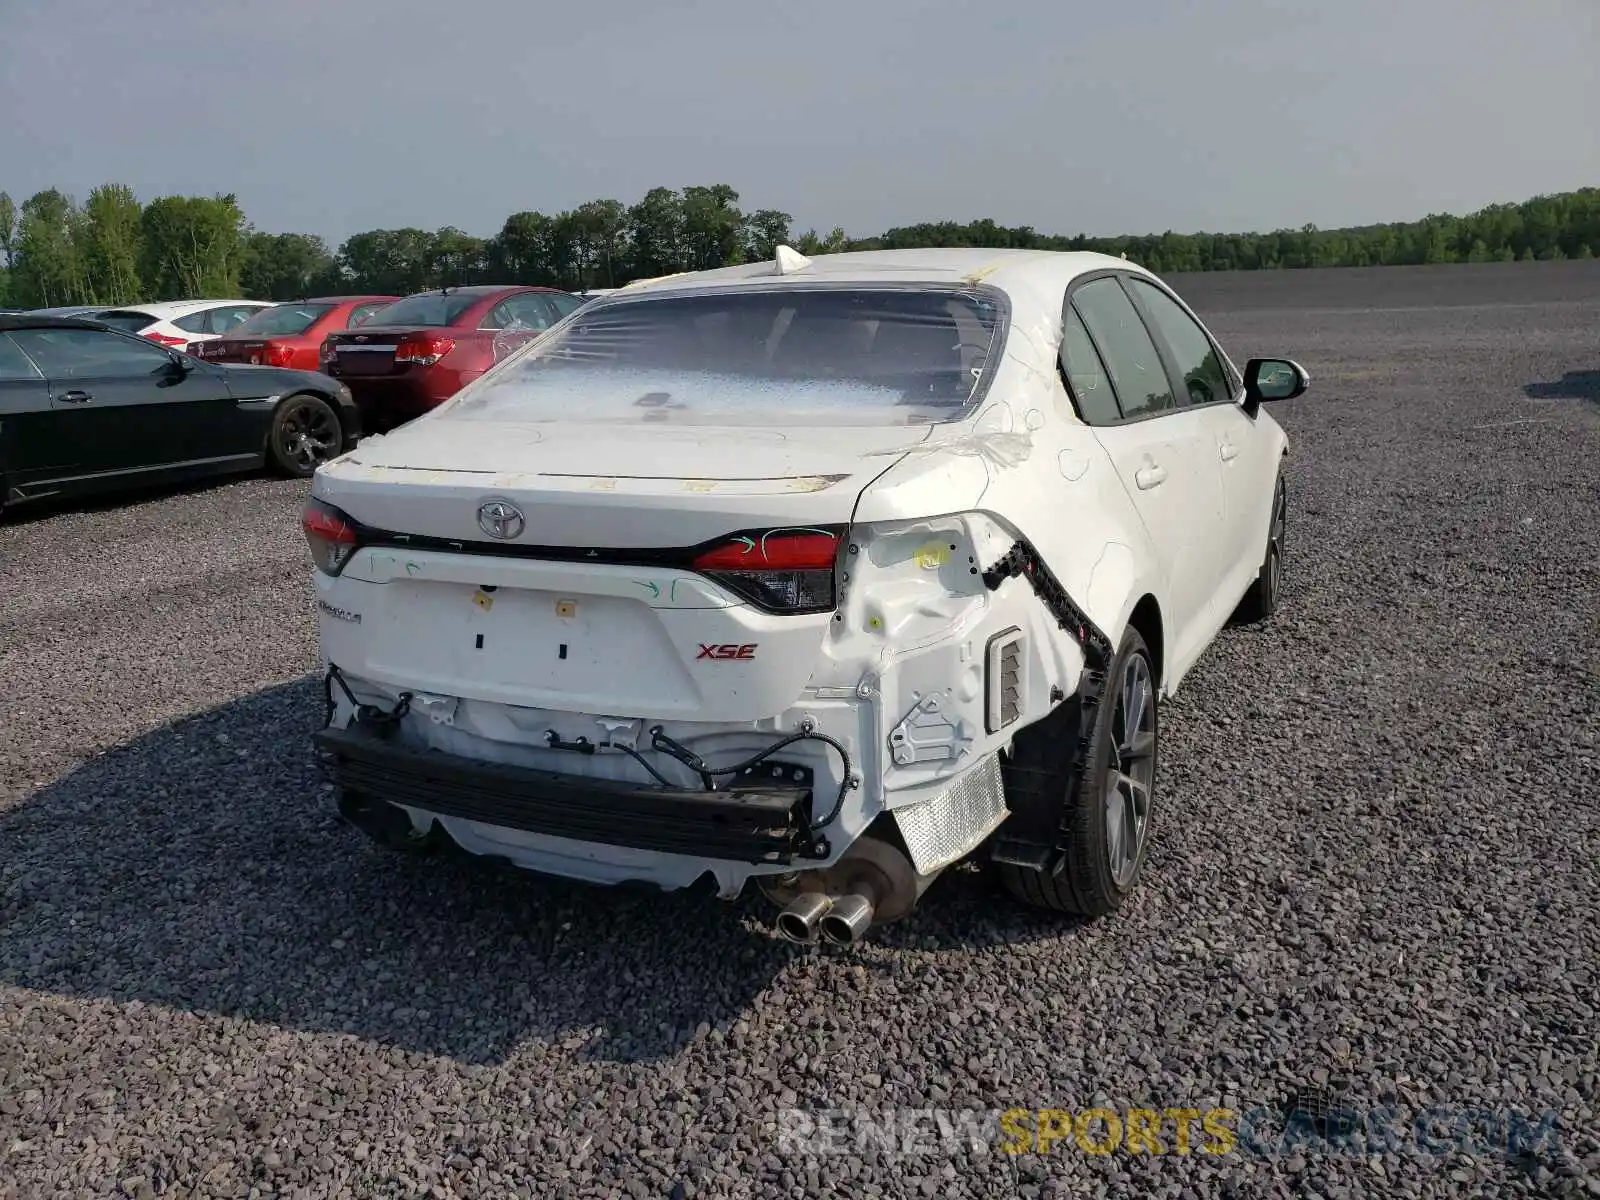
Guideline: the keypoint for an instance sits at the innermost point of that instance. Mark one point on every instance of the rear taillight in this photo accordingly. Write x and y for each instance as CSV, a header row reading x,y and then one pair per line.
x,y
324,354
332,536
781,570
166,339
423,351
276,354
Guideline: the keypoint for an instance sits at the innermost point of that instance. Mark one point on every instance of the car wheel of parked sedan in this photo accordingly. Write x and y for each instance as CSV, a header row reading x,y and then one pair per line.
x,y
1113,816
305,434
1261,601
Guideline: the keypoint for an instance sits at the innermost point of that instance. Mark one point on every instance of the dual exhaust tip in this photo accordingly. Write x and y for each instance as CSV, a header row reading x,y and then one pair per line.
x,y
841,920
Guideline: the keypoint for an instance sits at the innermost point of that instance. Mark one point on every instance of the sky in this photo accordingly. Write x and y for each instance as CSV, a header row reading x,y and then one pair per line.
x,y
1103,117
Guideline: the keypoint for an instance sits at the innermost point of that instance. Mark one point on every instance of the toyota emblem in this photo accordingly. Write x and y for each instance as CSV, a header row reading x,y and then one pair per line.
x,y
500,519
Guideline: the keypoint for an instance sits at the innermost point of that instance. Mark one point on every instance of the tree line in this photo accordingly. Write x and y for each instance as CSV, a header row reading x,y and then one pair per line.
x,y
113,249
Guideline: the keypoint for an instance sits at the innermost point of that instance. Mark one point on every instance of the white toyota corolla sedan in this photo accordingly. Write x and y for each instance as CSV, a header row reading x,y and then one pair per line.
x,y
825,572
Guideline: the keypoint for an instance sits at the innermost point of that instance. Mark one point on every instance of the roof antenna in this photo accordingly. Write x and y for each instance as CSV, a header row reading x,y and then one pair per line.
x,y
790,260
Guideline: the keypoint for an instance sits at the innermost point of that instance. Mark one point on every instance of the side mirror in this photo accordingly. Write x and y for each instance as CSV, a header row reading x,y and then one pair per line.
x,y
1271,379
179,364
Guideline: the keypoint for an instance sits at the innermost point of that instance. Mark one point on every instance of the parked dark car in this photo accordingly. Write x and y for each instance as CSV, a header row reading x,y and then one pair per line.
x,y
290,334
85,408
414,355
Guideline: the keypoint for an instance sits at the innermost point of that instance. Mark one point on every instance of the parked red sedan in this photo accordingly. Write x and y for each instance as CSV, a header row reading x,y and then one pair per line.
x,y
290,335
417,353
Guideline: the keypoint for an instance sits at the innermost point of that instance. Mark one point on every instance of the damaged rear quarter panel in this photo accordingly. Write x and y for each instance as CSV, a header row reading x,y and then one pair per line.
x,y
1026,460
1023,466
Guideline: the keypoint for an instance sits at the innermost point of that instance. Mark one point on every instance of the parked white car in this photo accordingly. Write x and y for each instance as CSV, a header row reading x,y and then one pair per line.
x,y
177,323
828,573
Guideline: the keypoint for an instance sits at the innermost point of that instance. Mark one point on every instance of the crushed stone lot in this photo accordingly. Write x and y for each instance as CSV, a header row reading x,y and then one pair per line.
x,y
1377,867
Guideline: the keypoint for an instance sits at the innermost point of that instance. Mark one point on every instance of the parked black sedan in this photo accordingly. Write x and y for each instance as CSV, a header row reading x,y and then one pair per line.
x,y
86,408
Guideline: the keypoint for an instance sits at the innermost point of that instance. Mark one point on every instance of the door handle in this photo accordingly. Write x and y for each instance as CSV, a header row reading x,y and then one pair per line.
x,y
75,396
1228,451
1149,477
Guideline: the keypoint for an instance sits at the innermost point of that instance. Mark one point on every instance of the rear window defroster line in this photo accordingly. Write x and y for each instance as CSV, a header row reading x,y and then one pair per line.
x,y
813,844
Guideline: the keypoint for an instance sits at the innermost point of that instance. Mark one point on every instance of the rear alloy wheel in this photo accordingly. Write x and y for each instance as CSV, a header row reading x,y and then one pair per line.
x,y
1266,590
1114,812
305,434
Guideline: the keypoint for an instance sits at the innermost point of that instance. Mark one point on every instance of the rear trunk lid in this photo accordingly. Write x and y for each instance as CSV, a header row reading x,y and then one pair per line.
x,y
233,350
610,486
448,610
370,350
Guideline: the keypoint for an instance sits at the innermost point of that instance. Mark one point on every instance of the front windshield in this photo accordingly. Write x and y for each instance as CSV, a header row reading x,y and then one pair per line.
x,y
771,355
281,320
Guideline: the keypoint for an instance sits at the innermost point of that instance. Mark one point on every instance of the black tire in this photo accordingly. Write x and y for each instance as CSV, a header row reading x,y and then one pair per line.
x,y
1093,882
1266,590
305,433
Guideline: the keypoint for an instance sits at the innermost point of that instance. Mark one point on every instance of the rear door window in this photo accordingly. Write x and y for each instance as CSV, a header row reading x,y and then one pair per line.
x,y
195,322
1125,345
1086,375
564,302
14,364
530,310
230,317
90,354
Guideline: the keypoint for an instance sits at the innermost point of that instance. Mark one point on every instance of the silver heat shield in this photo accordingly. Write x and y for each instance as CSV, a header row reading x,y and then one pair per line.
x,y
940,831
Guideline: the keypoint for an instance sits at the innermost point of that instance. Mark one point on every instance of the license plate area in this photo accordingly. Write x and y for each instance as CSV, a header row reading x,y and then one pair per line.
x,y
364,360
587,653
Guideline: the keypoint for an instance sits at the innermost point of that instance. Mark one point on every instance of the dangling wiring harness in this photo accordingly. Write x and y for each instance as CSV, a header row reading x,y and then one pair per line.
x,y
814,844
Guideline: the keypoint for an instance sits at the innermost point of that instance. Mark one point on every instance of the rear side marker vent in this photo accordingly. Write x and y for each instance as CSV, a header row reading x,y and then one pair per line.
x,y
1006,678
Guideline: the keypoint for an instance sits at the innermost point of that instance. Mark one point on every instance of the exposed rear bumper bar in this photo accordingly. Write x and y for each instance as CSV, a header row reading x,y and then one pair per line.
x,y
747,822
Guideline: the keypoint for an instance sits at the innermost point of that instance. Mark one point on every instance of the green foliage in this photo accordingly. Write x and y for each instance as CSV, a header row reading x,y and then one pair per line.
x,y
46,269
287,266
657,233
112,235
712,227
8,230
389,261
193,247
457,258
764,231
113,251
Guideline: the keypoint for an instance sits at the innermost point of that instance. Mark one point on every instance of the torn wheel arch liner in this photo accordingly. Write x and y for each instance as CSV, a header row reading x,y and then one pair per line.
x,y
1030,839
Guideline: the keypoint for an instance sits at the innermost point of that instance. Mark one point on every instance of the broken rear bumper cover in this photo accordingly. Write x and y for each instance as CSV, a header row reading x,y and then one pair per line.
x,y
756,819
419,771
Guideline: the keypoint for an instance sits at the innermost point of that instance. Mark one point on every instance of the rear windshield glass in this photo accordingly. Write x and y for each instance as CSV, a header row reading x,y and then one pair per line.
x,y
877,356
283,320
430,308
122,318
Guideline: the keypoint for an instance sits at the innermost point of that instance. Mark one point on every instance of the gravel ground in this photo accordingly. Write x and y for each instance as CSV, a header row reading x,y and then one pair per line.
x,y
1377,871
